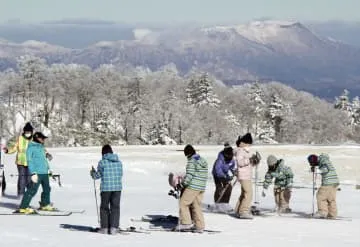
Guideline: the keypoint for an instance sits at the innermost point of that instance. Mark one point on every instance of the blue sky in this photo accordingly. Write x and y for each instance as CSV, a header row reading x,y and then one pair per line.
x,y
179,10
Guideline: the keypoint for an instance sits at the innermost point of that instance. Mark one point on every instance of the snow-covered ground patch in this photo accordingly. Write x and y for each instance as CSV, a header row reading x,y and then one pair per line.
x,y
145,192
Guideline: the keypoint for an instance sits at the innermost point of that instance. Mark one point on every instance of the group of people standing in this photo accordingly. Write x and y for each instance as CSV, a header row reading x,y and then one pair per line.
x,y
32,161
239,163
33,166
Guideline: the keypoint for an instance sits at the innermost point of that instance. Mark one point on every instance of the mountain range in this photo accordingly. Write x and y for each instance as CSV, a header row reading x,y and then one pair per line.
x,y
289,52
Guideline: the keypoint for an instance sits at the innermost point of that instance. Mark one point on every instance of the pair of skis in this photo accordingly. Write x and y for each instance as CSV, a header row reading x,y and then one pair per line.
x,y
84,228
166,223
55,212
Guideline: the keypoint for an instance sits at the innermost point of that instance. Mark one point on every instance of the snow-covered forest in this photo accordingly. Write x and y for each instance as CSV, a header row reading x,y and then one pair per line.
x,y
79,106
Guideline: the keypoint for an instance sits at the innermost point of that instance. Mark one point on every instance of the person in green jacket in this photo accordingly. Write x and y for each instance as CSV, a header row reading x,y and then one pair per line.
x,y
326,195
39,170
282,185
193,188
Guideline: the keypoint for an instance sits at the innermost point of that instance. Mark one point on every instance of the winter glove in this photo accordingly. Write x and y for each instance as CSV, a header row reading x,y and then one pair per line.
x,y
34,178
49,156
229,175
50,173
255,158
92,172
263,193
179,187
6,150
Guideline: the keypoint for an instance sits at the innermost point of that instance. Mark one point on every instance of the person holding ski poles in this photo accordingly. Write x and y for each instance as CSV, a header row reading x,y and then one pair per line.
x,y
245,163
283,183
193,187
110,171
40,172
20,147
223,173
326,195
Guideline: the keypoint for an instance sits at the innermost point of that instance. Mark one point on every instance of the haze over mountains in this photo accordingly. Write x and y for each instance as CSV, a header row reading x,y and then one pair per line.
x,y
289,52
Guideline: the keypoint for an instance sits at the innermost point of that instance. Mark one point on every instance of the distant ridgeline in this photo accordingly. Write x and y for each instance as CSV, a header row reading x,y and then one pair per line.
x,y
262,51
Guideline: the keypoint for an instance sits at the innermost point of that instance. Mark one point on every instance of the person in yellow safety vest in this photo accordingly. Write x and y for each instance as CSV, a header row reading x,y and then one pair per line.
x,y
20,147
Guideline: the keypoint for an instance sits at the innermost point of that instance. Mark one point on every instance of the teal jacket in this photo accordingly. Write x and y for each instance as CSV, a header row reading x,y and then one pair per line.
x,y
196,173
36,158
327,170
283,176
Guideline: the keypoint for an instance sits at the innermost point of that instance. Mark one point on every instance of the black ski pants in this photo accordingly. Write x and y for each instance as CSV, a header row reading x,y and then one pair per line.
x,y
223,187
110,209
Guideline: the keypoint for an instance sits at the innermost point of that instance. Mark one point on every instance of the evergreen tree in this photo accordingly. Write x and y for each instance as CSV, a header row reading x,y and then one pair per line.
x,y
275,116
258,108
356,111
343,103
200,92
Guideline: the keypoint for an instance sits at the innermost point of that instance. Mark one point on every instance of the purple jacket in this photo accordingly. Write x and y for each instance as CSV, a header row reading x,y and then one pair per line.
x,y
221,168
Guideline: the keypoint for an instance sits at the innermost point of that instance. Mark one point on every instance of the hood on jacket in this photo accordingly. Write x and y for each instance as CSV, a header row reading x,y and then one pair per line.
x,y
281,163
35,144
199,160
324,159
111,157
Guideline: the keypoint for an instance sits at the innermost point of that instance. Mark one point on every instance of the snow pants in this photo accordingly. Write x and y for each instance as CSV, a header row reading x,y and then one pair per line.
x,y
223,187
326,201
244,203
282,198
110,209
191,200
32,190
23,179
3,182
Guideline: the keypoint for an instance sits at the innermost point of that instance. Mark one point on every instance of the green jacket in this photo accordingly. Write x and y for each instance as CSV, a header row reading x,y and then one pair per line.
x,y
327,170
196,173
283,176
20,147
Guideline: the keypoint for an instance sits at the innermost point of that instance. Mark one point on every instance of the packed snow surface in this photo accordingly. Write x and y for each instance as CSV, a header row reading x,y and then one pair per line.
x,y
145,192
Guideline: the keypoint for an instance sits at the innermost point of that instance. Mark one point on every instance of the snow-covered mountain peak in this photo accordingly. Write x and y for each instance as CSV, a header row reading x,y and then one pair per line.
x,y
141,33
35,44
280,35
104,44
11,49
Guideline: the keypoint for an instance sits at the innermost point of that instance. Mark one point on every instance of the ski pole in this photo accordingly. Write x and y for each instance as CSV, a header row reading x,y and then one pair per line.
x,y
224,190
96,201
256,187
313,199
178,196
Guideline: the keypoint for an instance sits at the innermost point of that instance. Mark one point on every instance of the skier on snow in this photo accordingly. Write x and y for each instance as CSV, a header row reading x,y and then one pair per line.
x,y
283,182
223,173
245,163
39,169
326,195
110,170
194,185
20,147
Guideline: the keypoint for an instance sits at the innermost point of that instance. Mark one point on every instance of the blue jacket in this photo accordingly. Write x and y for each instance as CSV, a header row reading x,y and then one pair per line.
x,y
36,158
110,171
221,168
